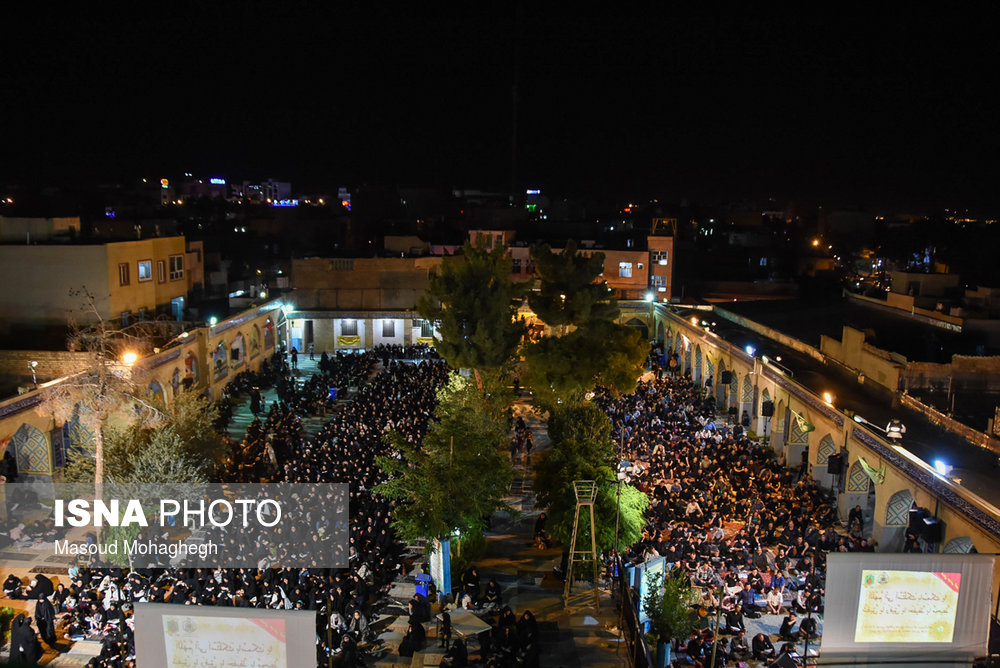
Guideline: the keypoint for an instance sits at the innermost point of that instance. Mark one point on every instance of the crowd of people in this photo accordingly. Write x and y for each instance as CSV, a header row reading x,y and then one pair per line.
x,y
748,534
96,602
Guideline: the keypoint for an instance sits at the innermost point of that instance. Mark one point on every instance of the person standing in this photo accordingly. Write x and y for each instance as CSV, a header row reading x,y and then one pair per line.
x,y
24,646
45,619
295,358
445,626
855,519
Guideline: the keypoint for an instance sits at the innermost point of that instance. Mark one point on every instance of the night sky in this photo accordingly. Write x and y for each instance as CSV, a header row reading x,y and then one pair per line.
x,y
852,110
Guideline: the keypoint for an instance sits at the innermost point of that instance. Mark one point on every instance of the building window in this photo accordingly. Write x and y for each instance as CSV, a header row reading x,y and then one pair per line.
x,y
426,329
658,257
516,266
126,318
176,267
348,327
625,270
123,273
658,283
161,271
145,270
388,329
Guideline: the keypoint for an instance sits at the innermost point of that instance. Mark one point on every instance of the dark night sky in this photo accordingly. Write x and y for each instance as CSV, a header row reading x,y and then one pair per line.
x,y
847,110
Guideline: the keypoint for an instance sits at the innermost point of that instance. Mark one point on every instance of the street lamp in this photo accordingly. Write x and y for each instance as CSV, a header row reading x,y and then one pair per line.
x,y
129,358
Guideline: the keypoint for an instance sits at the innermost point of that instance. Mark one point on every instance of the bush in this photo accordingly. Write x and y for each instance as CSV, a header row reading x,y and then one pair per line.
x,y
6,617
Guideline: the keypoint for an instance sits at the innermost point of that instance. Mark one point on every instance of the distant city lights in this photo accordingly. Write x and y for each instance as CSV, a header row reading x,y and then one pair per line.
x,y
217,182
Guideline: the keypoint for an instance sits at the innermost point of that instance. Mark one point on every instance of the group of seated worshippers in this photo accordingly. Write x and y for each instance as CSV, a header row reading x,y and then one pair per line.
x,y
96,602
724,512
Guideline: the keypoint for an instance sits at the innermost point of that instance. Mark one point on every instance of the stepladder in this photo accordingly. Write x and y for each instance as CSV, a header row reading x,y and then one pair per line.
x,y
586,495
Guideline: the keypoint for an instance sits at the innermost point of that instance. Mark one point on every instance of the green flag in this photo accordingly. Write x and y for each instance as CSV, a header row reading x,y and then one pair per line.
x,y
804,425
877,475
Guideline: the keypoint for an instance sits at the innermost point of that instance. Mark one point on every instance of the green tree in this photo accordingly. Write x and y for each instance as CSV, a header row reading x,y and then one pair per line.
x,y
568,292
475,305
668,605
582,450
459,474
590,348
182,448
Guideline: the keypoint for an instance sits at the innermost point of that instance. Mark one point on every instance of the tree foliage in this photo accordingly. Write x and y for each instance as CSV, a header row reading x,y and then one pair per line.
x,y
589,348
135,437
569,292
582,450
459,474
563,369
668,605
183,449
475,304
109,384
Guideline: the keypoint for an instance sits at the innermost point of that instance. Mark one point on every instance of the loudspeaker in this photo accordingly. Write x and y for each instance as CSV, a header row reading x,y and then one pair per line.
x,y
726,377
767,409
933,530
835,464
917,516
784,661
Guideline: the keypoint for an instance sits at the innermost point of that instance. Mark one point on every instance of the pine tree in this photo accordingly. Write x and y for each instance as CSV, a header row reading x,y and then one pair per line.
x,y
475,305
590,348
459,474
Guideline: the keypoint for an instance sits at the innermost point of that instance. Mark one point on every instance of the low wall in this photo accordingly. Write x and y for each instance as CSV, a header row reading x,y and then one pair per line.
x,y
965,372
51,364
772,334
903,304
937,417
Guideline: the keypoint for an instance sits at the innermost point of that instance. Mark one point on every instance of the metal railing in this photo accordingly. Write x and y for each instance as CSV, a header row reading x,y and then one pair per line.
x,y
634,641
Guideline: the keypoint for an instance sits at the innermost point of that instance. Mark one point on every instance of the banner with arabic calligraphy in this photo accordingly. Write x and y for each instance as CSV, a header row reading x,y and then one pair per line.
x,y
907,606
210,642
195,636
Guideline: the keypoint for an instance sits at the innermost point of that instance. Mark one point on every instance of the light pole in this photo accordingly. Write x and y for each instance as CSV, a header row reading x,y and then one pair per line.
x,y
651,299
625,469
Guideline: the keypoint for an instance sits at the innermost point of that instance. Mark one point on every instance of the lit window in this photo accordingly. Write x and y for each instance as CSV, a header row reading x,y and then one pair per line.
x,y
161,271
348,327
625,270
123,273
176,267
145,270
